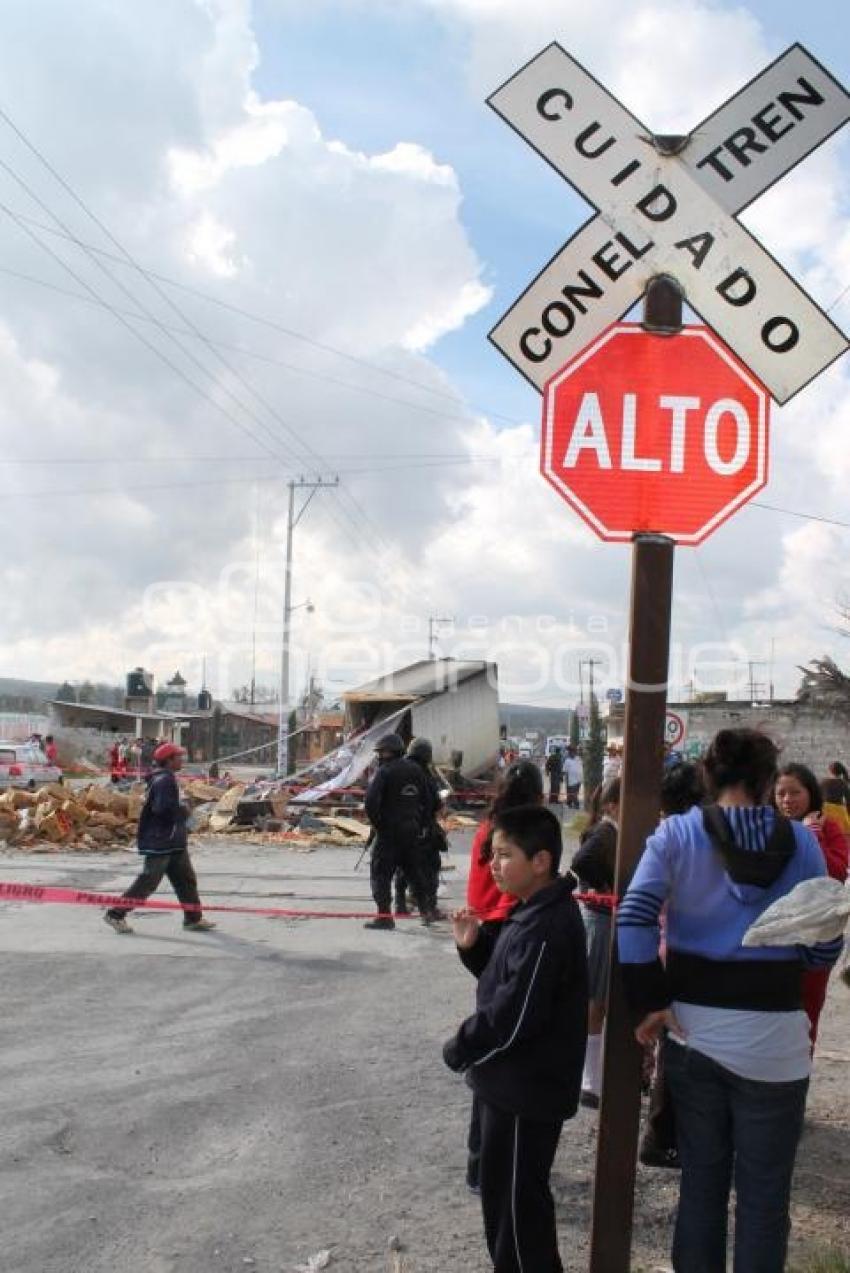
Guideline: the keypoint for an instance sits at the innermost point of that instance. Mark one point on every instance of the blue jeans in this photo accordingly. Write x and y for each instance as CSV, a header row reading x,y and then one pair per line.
x,y
727,1128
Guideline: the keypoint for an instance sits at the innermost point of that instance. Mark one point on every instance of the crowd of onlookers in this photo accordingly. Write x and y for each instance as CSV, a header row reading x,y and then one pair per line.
x,y
728,1030
46,744
132,758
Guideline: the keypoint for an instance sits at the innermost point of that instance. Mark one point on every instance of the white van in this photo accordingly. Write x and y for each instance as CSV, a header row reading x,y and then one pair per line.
x,y
25,765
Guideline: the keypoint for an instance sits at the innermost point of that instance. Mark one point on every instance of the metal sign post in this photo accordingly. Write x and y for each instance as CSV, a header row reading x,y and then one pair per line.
x,y
640,791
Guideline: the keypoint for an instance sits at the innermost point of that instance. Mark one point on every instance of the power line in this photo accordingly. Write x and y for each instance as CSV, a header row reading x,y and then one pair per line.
x,y
154,349
707,585
281,476
429,456
260,319
809,517
152,282
130,491
838,299
440,412
187,352
135,300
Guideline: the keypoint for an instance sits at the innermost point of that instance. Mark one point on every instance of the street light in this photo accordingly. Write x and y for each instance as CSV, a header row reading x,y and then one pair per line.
x,y
282,723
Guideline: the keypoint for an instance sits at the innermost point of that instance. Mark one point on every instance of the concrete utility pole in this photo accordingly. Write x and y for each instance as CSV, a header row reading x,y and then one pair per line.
x,y
291,522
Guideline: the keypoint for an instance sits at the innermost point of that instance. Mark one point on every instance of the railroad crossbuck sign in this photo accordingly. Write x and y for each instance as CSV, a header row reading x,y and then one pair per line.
x,y
669,206
647,433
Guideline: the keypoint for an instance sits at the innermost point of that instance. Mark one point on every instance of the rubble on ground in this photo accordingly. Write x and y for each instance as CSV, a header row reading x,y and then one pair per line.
x,y
98,817
91,818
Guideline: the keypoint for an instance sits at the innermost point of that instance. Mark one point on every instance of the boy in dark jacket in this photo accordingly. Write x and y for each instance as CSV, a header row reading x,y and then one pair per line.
x,y
523,1048
163,840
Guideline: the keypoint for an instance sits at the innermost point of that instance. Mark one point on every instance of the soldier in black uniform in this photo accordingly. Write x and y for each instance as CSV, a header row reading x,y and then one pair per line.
x,y
399,806
433,840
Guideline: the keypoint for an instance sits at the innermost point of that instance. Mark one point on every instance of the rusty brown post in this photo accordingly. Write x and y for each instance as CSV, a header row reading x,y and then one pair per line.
x,y
646,702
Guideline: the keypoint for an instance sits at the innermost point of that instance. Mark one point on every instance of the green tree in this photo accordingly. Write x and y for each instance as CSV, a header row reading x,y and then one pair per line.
x,y
86,693
824,685
594,751
575,730
66,693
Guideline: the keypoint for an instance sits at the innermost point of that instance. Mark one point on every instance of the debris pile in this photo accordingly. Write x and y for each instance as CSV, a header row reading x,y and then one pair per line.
x,y
93,818
99,817
267,818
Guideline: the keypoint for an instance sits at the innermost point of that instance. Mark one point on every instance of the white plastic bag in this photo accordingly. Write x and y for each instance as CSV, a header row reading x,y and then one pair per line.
x,y
815,910
320,1260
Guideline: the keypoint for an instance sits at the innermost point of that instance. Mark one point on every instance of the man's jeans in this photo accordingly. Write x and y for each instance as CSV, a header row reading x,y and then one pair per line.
x,y
731,1127
181,875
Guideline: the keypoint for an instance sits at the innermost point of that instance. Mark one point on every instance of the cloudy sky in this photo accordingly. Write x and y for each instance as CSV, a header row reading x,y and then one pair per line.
x,y
243,243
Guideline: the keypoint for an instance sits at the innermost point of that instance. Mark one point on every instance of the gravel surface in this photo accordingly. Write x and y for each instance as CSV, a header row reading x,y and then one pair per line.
x,y
248,1098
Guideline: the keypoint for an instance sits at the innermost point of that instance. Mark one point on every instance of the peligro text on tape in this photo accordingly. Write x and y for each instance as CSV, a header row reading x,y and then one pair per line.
x,y
117,901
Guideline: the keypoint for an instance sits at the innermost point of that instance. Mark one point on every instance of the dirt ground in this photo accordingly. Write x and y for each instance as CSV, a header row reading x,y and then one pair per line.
x,y
188,1103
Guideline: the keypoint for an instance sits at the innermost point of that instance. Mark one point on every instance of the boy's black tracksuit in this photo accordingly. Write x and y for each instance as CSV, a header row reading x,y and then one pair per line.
x,y
523,1052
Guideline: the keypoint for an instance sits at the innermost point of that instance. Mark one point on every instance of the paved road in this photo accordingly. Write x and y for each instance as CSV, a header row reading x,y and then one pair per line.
x,y
188,1103
240,1099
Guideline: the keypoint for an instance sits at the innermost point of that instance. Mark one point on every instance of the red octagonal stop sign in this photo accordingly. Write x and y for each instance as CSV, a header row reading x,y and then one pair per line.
x,y
643,432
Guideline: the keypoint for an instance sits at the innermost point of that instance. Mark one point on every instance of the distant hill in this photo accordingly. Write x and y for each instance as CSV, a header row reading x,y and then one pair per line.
x,y
519,717
17,695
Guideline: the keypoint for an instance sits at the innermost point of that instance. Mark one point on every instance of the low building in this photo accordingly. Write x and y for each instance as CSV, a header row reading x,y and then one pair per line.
x,y
232,734
452,702
208,730
321,734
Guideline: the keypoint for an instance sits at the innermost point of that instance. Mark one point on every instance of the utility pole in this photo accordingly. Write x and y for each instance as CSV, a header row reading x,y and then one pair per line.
x,y
291,522
433,633
590,664
756,687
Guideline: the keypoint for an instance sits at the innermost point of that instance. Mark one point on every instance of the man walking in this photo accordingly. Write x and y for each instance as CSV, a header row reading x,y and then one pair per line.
x,y
163,841
398,805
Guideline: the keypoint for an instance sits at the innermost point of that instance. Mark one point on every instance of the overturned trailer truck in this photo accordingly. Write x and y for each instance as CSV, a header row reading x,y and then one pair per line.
x,y
453,702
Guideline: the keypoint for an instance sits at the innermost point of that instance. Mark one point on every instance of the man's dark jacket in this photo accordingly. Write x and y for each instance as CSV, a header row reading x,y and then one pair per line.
x,y
399,802
523,1049
162,822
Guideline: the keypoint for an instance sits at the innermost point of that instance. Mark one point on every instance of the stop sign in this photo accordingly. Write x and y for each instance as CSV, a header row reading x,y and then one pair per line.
x,y
643,432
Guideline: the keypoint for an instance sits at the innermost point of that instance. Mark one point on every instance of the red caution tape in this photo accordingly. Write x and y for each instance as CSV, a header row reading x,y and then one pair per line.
x,y
117,901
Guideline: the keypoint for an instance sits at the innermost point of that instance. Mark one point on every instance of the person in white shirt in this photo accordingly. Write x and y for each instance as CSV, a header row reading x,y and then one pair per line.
x,y
574,776
613,764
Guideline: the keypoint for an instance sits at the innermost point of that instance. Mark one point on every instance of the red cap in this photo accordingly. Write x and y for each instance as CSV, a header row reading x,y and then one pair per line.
x,y
166,751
